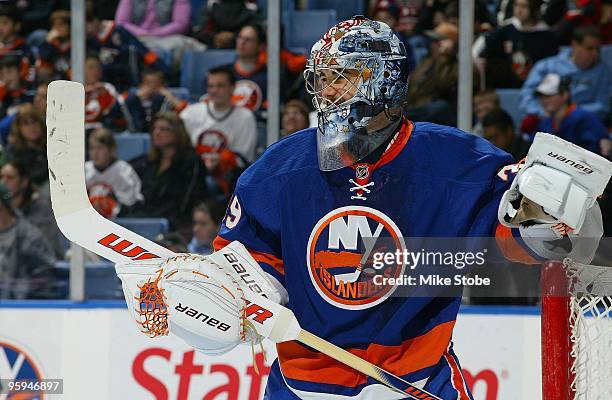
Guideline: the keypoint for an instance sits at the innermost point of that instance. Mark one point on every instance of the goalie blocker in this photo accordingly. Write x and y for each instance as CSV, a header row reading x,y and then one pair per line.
x,y
554,195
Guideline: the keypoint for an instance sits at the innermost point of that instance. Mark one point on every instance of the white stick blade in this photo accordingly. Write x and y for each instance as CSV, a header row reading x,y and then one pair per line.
x,y
66,147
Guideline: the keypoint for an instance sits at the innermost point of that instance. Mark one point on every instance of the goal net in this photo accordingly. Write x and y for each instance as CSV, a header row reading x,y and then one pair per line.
x,y
576,331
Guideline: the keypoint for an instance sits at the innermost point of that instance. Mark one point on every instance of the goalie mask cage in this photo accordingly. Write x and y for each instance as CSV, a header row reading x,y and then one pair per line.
x,y
576,331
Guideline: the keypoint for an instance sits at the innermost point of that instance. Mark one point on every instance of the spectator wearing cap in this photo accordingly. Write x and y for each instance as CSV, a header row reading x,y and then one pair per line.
x,y
26,258
590,77
432,87
498,129
567,120
507,54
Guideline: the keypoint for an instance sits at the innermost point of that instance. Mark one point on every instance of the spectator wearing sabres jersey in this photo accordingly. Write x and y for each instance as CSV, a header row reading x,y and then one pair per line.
x,y
304,208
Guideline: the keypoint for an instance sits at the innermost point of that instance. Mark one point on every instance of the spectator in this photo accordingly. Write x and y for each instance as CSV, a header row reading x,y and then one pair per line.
x,y
388,12
220,21
173,176
250,70
102,107
498,129
26,258
585,12
35,17
507,54
151,97
206,223
159,24
112,184
432,88
12,88
32,204
122,55
217,124
173,241
484,102
294,118
27,143
568,121
13,45
54,54
39,103
590,77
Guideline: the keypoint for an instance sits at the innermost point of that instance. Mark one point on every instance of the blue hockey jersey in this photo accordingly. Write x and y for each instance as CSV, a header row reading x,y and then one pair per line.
x,y
305,226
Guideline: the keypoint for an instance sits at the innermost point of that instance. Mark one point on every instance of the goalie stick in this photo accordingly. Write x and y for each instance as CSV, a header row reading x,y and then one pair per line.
x,y
82,224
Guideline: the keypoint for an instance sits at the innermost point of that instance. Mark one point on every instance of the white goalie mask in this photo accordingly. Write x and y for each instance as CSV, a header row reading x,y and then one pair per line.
x,y
358,75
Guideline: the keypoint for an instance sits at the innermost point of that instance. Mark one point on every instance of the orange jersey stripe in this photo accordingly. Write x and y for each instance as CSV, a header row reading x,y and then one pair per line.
x,y
298,362
267,258
457,377
510,248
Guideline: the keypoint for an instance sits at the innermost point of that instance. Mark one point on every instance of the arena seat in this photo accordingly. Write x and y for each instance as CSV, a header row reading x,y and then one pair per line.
x,y
510,100
101,281
304,28
131,145
197,63
345,9
606,54
147,227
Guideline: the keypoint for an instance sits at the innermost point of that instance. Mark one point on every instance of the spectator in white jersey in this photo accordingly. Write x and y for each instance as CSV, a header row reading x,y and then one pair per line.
x,y
112,184
216,123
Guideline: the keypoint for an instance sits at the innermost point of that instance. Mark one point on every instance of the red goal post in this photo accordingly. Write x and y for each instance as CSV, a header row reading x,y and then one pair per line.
x,y
576,331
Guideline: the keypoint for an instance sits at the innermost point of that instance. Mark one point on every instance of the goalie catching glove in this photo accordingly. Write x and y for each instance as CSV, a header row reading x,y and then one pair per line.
x,y
554,195
198,298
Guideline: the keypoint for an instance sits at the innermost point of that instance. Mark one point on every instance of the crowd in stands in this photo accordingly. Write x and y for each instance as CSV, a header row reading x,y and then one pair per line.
x,y
546,54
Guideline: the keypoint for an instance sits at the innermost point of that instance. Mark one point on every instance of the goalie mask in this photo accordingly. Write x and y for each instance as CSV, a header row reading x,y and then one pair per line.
x,y
358,75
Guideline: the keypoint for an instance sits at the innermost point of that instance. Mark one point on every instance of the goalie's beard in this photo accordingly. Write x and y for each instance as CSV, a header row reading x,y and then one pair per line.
x,y
376,153
367,144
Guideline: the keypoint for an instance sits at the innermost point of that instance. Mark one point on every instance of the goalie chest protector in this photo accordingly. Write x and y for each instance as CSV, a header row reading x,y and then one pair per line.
x,y
306,227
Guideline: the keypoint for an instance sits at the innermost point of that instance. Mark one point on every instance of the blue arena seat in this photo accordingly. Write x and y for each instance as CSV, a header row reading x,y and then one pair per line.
x,y
510,100
606,54
196,8
131,145
304,28
101,281
180,92
197,63
345,9
147,227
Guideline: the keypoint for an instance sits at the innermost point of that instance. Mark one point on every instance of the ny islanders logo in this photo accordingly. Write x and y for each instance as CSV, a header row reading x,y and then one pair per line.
x,y
17,364
340,251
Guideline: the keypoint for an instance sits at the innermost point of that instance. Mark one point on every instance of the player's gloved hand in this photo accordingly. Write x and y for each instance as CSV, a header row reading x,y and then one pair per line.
x,y
198,298
554,196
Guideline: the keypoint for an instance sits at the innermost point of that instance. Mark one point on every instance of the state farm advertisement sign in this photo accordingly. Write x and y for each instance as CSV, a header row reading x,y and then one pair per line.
x,y
100,354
